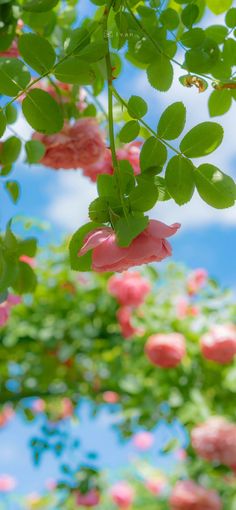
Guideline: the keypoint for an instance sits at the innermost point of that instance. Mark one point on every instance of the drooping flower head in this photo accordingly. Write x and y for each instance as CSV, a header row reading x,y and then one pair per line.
x,y
219,344
187,495
165,350
149,246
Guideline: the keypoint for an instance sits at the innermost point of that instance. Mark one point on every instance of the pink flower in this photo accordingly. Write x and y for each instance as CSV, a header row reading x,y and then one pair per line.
x,y
196,280
165,350
6,415
187,495
130,288
67,408
111,397
6,306
155,485
76,146
28,260
185,309
124,316
149,246
129,152
122,495
215,440
38,406
181,454
11,52
219,344
7,483
92,498
143,440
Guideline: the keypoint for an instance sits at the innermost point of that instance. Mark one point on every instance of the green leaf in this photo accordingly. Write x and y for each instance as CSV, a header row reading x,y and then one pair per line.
x,y
26,280
107,186
163,193
172,121
10,150
129,228
5,170
37,52
179,179
189,15
42,112
201,60
129,131
217,32
153,154
99,210
160,73
169,18
13,189
35,151
193,37
219,6
77,40
14,76
81,263
202,140
230,18
127,176
219,102
7,272
27,247
93,52
75,70
229,52
144,196
39,5
3,123
137,107
11,114
214,187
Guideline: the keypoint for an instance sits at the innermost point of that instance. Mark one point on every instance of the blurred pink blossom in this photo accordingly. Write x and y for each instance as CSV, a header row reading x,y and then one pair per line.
x,y
92,498
165,350
7,483
155,485
28,260
129,288
219,344
143,440
215,440
122,495
196,280
187,495
111,397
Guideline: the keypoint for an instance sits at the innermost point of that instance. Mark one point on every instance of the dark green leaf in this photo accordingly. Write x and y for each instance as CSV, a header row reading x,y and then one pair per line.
x,y
14,76
229,52
3,123
13,189
39,5
144,196
202,140
11,114
217,32
193,37
75,70
81,263
153,154
93,52
35,151
28,247
230,18
160,73
77,40
10,150
189,15
42,112
26,280
169,18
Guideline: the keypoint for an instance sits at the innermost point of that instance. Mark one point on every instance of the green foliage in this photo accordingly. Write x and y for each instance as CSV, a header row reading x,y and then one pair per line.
x,y
75,70
137,107
160,73
202,140
216,188
129,131
172,121
14,76
37,52
180,179
35,150
219,102
42,112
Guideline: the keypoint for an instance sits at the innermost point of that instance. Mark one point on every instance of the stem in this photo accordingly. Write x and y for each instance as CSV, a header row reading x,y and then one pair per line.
x,y
110,108
123,102
96,101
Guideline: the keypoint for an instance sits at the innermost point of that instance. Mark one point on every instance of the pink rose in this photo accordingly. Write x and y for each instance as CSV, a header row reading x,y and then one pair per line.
x,y
76,146
122,495
215,440
11,52
92,498
165,350
155,485
219,344
6,415
124,316
143,440
28,260
130,289
187,495
7,483
128,152
149,246
196,280
111,397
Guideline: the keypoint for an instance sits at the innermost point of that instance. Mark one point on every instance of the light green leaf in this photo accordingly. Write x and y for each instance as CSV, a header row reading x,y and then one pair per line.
x,y
10,150
42,112
215,188
219,102
129,131
137,107
153,154
144,196
35,151
13,189
160,73
202,140
37,52
14,76
219,6
172,121
81,263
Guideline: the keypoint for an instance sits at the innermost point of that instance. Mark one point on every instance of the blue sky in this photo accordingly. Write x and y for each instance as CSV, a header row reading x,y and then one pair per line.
x,y
207,238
